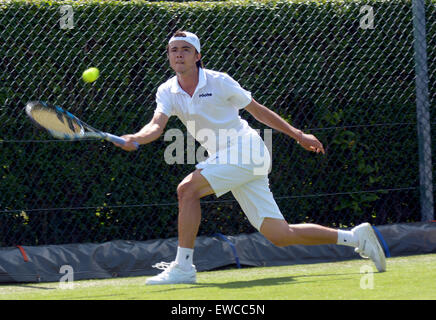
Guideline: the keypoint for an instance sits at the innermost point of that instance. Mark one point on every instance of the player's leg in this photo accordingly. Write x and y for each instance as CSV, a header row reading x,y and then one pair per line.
x,y
362,237
211,178
189,193
257,202
281,234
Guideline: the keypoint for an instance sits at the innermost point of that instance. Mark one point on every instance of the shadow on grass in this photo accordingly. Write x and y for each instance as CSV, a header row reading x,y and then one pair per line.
x,y
24,285
272,281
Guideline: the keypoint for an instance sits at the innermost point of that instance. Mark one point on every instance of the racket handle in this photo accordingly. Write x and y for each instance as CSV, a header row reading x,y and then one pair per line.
x,y
119,140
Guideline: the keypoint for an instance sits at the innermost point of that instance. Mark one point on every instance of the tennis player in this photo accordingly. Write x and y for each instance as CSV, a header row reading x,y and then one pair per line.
x,y
208,103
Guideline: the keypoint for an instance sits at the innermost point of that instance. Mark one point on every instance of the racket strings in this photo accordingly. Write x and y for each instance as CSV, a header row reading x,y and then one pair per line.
x,y
62,124
56,122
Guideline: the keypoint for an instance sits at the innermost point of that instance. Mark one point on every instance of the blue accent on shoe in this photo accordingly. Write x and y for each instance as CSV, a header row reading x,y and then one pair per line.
x,y
383,242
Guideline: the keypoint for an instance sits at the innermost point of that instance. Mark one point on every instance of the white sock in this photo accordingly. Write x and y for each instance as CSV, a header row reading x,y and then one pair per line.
x,y
347,238
184,257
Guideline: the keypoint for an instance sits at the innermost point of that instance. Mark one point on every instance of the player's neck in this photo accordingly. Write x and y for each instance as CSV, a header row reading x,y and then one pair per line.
x,y
188,80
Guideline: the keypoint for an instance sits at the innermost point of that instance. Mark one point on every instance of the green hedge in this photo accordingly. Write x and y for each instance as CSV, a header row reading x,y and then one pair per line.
x,y
307,60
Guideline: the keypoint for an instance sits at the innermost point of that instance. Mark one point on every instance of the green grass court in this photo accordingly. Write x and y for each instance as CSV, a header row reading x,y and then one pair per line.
x,y
411,277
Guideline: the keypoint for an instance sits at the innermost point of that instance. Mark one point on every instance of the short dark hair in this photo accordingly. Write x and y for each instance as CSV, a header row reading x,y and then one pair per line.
x,y
181,33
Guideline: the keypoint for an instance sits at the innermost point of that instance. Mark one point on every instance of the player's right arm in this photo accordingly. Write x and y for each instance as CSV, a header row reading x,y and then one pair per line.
x,y
150,132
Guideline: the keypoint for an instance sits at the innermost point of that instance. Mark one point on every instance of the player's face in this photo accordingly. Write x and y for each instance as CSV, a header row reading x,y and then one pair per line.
x,y
182,56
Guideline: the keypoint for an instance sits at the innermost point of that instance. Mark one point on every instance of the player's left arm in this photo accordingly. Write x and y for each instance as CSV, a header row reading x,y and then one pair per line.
x,y
273,120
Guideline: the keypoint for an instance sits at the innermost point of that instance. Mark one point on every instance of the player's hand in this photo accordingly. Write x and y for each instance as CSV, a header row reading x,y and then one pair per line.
x,y
311,143
130,144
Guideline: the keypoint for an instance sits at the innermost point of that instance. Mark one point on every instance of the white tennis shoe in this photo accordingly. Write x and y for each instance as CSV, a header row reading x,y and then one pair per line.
x,y
369,246
172,274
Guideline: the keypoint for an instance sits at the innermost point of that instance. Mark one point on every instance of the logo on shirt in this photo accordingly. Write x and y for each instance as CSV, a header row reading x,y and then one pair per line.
x,y
204,95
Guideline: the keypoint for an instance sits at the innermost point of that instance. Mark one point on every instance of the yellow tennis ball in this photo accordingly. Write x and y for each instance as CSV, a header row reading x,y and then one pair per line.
x,y
90,75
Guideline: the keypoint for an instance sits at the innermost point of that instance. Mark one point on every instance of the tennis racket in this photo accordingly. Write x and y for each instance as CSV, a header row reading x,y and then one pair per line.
x,y
62,124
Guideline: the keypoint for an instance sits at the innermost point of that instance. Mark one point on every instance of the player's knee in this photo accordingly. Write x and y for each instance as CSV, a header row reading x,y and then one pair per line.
x,y
186,191
279,233
182,190
278,238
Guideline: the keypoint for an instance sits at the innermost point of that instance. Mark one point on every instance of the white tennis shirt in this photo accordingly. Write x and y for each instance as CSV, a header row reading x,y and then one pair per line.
x,y
211,115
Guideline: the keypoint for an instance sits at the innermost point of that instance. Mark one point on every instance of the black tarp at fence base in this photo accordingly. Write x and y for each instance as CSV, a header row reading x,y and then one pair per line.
x,y
123,258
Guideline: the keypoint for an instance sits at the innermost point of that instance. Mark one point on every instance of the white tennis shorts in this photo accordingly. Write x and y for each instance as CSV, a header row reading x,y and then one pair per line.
x,y
247,180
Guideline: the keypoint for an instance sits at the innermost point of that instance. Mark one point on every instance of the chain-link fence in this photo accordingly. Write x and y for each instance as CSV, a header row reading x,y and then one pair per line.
x,y
342,70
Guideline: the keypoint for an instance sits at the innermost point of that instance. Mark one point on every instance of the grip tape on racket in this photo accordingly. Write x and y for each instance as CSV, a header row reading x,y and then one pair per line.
x,y
118,140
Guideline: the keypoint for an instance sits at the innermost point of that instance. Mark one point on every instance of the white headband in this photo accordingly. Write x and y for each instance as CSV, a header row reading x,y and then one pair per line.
x,y
190,38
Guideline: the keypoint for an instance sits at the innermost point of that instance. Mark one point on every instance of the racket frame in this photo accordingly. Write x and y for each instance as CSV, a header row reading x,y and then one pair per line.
x,y
91,134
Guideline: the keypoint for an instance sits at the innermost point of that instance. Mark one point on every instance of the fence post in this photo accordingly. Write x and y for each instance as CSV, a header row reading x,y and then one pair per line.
x,y
422,111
